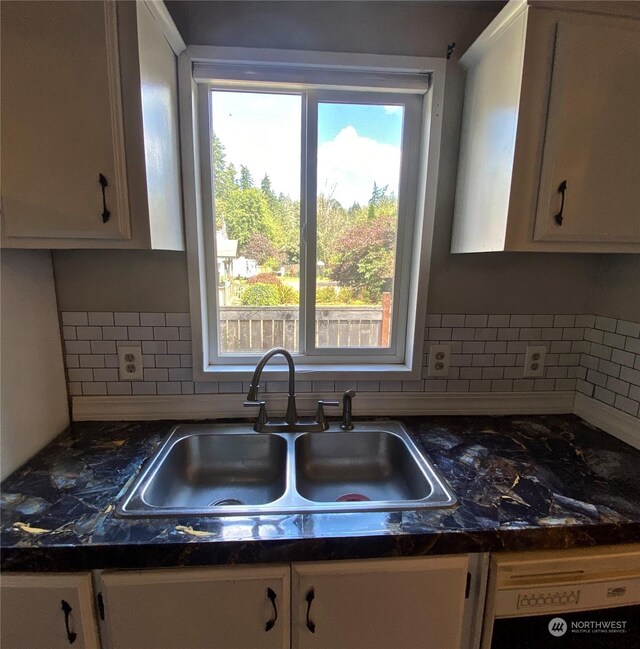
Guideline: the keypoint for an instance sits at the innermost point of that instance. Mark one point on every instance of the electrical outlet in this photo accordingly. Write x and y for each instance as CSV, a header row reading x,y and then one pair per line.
x,y
130,363
534,361
439,360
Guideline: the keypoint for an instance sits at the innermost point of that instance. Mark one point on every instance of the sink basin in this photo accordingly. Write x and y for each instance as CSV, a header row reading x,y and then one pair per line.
x,y
222,469
357,467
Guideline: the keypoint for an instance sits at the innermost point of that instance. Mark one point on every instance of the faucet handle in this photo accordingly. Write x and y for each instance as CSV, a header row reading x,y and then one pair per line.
x,y
262,413
320,416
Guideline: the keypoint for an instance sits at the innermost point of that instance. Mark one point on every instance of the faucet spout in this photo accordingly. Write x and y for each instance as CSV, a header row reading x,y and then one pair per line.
x,y
291,416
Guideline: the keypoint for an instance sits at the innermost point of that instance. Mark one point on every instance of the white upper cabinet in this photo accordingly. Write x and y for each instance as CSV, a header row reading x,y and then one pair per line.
x,y
550,143
89,98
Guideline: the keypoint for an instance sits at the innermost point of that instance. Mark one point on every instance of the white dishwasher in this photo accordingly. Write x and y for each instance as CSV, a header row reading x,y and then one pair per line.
x,y
586,598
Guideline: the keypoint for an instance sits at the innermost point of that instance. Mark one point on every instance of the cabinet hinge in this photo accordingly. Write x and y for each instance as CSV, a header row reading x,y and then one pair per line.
x,y
468,586
100,606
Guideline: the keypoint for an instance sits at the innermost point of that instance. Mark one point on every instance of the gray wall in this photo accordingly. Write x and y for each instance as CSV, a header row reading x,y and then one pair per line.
x,y
33,403
615,291
479,283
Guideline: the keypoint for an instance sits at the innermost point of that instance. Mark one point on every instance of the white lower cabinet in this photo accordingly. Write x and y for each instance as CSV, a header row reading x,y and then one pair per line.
x,y
240,607
379,604
47,611
418,603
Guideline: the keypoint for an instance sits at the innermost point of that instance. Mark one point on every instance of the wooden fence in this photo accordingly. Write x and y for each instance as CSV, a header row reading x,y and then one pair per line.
x,y
256,329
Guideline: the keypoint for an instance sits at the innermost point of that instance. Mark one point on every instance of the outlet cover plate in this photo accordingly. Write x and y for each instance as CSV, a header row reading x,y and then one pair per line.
x,y
534,361
130,363
439,360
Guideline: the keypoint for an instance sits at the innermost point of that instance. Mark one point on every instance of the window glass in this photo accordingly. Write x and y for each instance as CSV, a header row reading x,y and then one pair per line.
x,y
256,157
358,175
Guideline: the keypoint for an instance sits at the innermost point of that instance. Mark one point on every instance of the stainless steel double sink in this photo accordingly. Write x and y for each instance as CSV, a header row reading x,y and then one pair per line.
x,y
228,469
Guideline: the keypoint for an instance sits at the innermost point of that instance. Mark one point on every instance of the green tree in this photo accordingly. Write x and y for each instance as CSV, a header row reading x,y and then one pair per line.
x,y
367,255
246,181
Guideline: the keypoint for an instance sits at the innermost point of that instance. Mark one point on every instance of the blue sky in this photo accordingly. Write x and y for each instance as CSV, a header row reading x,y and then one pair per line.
x,y
380,123
357,144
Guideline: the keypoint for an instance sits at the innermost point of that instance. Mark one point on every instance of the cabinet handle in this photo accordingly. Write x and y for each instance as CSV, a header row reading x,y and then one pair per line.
x,y
104,183
310,624
562,189
71,636
272,622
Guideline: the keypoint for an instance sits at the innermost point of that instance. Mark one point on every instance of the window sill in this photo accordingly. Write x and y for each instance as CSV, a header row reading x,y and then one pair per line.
x,y
307,372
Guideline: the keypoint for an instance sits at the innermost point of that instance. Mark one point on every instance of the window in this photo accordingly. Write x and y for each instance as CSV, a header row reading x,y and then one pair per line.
x,y
307,217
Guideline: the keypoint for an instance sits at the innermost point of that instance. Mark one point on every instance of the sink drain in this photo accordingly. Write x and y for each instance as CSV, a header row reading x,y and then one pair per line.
x,y
352,498
225,502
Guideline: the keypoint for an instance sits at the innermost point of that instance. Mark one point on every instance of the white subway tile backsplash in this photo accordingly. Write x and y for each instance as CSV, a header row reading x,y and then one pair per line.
x,y
626,328
521,320
89,333
433,320
499,320
140,333
614,340
152,320
105,374
100,318
486,333
606,324
530,333
626,405
143,387
119,388
155,374
103,347
91,360
69,333
169,387
84,374
114,333
72,360
126,319
542,321
508,333
455,320
95,388
75,318
177,319
476,320
564,320
594,355
623,358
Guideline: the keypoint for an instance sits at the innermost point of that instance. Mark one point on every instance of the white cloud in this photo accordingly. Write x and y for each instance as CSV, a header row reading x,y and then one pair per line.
x,y
352,163
391,110
262,132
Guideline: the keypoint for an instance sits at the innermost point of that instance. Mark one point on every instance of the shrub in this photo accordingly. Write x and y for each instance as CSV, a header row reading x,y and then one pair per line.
x,y
264,278
288,294
326,295
260,295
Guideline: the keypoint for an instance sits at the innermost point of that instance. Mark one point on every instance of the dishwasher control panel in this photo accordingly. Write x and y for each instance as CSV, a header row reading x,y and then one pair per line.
x,y
540,599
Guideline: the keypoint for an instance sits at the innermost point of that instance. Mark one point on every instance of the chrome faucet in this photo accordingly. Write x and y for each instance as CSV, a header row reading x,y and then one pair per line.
x,y
291,423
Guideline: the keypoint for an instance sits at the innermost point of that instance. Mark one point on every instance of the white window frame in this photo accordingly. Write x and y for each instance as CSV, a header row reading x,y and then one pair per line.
x,y
202,69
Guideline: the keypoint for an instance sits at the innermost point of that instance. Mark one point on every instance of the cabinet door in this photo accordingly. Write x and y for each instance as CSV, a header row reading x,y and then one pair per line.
x,y
62,121
592,141
45,611
243,607
379,604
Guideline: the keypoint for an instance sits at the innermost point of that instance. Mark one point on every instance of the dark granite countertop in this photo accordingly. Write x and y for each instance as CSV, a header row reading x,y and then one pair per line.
x,y
526,482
